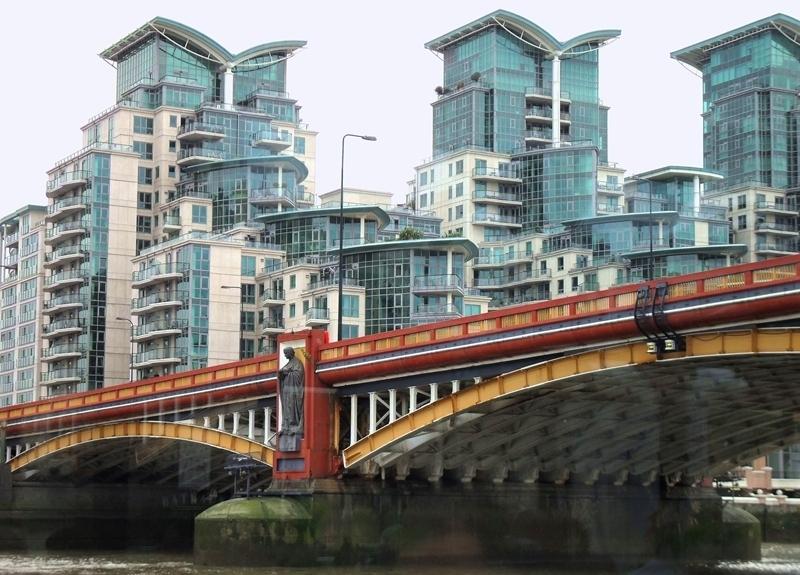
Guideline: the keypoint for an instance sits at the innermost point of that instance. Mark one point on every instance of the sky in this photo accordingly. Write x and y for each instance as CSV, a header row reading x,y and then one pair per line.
x,y
364,71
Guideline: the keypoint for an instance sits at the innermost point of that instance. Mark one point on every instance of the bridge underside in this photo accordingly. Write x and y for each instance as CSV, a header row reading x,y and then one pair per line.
x,y
615,416
163,454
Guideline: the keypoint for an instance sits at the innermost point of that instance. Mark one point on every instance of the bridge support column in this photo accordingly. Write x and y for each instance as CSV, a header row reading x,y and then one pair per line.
x,y
221,422
251,424
412,398
353,419
236,417
393,405
315,456
373,411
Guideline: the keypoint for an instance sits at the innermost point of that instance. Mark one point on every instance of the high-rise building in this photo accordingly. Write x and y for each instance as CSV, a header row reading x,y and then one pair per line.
x,y
171,178
21,281
751,108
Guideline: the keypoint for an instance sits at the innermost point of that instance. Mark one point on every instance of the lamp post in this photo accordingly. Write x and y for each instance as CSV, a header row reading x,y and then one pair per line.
x,y
341,230
241,333
130,363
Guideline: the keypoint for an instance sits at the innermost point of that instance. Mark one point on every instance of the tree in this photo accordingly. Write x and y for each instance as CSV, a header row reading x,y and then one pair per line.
x,y
410,234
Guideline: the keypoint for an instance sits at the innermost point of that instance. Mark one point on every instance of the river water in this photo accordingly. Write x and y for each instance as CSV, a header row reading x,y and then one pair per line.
x,y
777,559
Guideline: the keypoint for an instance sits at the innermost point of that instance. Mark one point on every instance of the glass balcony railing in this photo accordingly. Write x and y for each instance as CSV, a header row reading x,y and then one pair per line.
x,y
159,325
200,152
64,251
9,300
160,353
72,323
178,296
63,349
494,219
272,136
317,314
273,295
156,270
769,226
493,195
65,300
58,375
495,172
273,323
67,179
331,282
444,282
12,238
65,227
435,311
201,127
171,220
64,276
63,203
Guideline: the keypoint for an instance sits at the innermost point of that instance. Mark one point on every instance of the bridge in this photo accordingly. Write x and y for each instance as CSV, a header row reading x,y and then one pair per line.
x,y
677,379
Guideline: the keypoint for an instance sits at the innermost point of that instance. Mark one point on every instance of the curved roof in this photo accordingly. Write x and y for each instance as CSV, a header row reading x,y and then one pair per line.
x,y
287,162
468,246
206,46
698,54
524,29
672,172
379,213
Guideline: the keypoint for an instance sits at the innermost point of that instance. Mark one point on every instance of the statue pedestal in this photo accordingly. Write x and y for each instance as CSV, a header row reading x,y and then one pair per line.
x,y
288,442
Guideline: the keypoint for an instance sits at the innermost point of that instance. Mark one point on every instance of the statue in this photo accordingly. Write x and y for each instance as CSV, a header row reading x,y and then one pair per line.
x,y
291,386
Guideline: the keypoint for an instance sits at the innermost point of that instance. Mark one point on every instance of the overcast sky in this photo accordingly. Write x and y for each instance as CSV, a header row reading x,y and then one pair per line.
x,y
364,70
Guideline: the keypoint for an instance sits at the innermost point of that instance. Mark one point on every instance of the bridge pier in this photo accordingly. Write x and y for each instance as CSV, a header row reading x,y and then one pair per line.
x,y
354,521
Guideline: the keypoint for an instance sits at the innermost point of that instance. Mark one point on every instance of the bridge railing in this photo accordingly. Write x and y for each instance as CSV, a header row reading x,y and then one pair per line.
x,y
143,388
727,279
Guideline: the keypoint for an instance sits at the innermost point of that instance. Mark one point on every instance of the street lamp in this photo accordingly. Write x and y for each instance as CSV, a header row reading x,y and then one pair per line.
x,y
130,364
241,334
341,229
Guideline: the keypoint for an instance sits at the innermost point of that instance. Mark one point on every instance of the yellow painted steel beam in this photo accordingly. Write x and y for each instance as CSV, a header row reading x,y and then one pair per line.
x,y
749,342
154,429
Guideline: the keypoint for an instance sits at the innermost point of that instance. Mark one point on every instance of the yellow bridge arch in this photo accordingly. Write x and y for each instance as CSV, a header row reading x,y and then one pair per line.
x,y
595,372
146,429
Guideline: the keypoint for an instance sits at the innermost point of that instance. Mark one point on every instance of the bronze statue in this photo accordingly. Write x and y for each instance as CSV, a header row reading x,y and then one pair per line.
x,y
291,384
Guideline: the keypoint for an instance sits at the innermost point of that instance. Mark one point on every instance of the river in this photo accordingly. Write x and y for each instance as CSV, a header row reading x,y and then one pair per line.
x,y
777,559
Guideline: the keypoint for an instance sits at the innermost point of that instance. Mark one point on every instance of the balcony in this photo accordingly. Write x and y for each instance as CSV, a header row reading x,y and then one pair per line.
x,y
199,131
516,300
171,223
485,174
496,220
67,181
608,188
157,301
273,325
544,115
159,328
497,198
273,297
783,209
66,375
198,155
63,255
67,206
62,327
159,273
544,93
446,283
11,261
63,279
605,209
273,196
331,282
63,351
63,303
523,277
7,365
158,356
12,239
317,317
776,248
434,312
789,230
65,230
272,140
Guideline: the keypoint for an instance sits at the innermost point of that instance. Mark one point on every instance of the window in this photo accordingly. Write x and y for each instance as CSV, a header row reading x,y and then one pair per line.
x,y
450,170
741,224
249,266
199,214
158,172
560,263
574,283
423,201
449,214
472,309
292,309
248,321
292,281
423,179
144,149
306,305
741,201
173,121
431,175
349,306
560,286
459,211
248,294
299,145
459,189
459,167
144,224
173,146
449,192
730,203
145,175
145,201
349,331
142,125
171,171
